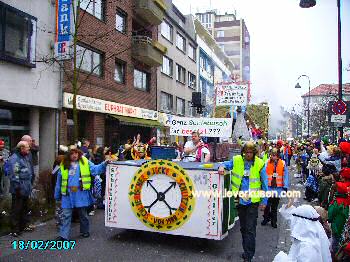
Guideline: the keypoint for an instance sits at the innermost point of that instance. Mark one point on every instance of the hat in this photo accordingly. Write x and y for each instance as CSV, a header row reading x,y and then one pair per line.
x,y
72,147
345,173
2,143
345,147
63,148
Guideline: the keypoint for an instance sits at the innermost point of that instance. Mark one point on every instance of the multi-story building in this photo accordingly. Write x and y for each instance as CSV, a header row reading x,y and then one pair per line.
x,y
214,66
29,87
233,37
119,56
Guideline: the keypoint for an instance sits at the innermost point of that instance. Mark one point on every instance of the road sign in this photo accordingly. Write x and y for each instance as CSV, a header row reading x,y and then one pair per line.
x,y
335,118
339,107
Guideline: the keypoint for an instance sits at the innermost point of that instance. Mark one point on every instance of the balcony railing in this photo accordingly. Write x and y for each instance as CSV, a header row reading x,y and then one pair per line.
x,y
148,51
151,12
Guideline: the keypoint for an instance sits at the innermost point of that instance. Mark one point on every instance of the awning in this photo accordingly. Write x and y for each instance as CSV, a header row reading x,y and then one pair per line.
x,y
133,121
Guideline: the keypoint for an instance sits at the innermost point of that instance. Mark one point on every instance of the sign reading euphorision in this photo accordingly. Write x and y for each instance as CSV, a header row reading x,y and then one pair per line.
x,y
161,196
209,127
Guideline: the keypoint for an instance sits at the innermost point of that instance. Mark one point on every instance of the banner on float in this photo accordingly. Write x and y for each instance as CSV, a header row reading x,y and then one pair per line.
x,y
209,127
231,94
63,29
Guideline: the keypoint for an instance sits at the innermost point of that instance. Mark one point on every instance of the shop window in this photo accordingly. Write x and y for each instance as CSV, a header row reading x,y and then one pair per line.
x,y
119,71
121,21
89,61
180,74
93,7
17,36
180,106
141,80
167,67
166,102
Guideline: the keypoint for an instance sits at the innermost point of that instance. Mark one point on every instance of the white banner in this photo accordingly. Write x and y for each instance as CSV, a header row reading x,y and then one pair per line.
x,y
231,95
209,127
97,105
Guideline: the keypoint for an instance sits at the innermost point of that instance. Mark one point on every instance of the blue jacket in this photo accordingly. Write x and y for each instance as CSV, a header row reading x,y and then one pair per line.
x,y
21,174
81,198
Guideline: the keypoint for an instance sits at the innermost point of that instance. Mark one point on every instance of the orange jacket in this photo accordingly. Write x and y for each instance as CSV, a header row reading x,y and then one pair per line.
x,y
279,170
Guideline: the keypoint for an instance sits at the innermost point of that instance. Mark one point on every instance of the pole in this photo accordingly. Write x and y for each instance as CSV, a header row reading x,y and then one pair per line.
x,y
340,73
308,111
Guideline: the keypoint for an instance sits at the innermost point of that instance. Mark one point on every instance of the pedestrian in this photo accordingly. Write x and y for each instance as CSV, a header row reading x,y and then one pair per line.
x,y
311,184
196,150
325,184
21,184
287,153
100,180
249,177
310,242
338,211
33,155
4,180
73,188
85,149
278,181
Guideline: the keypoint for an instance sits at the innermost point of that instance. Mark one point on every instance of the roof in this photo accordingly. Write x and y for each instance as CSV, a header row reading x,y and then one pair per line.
x,y
328,89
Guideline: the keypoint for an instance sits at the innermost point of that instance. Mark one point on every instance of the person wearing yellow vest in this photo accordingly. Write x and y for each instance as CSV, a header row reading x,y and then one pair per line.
x,y
247,175
277,175
73,188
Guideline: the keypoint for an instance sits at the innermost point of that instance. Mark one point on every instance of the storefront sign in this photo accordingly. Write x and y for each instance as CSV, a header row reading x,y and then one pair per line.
x,y
209,127
97,105
63,29
231,95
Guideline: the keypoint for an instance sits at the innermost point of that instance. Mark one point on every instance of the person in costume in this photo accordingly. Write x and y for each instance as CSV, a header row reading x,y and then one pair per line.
x,y
248,175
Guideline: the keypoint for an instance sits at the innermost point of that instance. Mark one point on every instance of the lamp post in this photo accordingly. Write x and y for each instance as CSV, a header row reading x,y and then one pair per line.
x,y
308,102
311,3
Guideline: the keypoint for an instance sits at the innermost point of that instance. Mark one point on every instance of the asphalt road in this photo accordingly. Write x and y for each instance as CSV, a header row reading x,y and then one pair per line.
x,y
110,244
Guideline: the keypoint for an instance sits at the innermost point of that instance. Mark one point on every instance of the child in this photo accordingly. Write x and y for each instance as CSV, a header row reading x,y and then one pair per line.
x,y
325,184
311,190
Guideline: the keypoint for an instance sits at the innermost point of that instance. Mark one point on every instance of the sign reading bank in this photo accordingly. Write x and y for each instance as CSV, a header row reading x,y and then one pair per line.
x,y
63,29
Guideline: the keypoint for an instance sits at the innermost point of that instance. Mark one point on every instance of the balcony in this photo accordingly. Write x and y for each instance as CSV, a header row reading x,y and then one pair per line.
x,y
151,12
148,51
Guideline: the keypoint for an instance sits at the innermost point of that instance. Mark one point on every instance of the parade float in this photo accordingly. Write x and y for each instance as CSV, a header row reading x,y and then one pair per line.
x,y
172,197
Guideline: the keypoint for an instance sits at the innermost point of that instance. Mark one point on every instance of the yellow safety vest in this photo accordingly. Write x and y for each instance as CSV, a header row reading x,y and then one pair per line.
x,y
254,177
84,174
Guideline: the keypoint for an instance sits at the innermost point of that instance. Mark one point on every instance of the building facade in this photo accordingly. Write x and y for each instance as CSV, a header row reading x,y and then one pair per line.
x,y
213,67
30,87
119,55
233,37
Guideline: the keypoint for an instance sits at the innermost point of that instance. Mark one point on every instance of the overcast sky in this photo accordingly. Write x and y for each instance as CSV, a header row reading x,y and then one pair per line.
x,y
287,41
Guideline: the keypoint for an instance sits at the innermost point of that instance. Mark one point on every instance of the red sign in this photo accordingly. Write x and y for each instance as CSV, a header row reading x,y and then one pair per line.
x,y
339,107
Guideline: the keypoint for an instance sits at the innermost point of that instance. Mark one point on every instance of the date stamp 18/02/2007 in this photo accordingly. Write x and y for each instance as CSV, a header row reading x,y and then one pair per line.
x,y
43,244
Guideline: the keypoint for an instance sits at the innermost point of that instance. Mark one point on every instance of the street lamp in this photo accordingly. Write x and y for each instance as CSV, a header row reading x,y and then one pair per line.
x,y
311,3
308,102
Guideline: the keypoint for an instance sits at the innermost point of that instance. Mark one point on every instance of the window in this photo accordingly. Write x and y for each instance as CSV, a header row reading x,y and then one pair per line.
x,y
94,7
167,31
222,46
190,108
17,36
166,102
192,52
167,67
180,42
180,74
119,71
192,79
89,61
121,21
180,106
141,80
220,33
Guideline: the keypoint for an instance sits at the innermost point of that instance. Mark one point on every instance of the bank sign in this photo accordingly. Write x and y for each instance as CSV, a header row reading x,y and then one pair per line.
x,y
63,29
101,106
209,127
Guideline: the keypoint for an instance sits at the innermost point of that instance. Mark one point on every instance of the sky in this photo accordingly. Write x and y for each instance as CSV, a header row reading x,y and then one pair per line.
x,y
286,42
